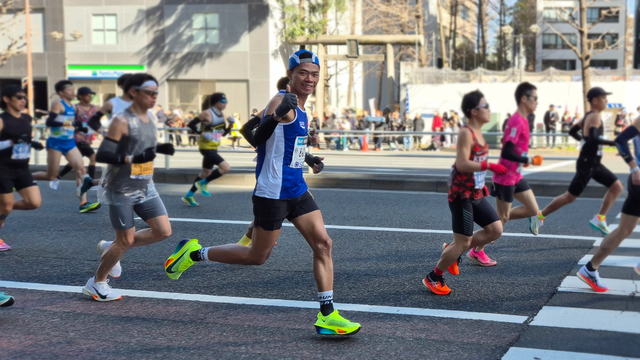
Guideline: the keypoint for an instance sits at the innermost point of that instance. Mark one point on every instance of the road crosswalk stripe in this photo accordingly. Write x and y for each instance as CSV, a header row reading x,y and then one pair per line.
x,y
613,260
518,353
591,319
616,286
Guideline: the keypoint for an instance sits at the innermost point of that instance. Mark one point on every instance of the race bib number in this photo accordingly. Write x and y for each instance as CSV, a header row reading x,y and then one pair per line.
x,y
208,136
21,151
299,151
479,177
217,135
521,165
142,171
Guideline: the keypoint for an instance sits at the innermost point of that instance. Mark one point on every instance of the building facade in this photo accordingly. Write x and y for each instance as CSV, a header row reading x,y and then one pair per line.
x,y
552,51
193,47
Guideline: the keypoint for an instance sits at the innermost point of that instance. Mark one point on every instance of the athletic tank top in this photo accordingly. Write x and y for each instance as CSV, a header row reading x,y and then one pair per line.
x,y
131,184
636,148
212,133
83,116
470,185
591,150
118,105
18,155
66,130
281,158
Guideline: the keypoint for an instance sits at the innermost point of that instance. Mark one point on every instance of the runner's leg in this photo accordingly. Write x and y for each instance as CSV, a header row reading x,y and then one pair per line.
x,y
53,164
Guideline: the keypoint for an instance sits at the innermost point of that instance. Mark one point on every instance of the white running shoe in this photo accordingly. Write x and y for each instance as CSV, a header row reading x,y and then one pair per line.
x,y
637,268
54,184
601,226
592,278
535,224
117,269
100,291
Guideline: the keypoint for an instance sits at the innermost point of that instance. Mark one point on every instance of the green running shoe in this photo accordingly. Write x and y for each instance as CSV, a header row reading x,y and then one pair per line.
x,y
203,188
190,201
334,324
180,260
88,207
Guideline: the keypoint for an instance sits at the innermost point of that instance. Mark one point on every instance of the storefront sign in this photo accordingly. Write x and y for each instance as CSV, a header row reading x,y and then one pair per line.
x,y
102,71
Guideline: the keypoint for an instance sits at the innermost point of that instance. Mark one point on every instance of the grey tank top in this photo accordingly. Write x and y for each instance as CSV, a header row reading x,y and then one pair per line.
x,y
131,184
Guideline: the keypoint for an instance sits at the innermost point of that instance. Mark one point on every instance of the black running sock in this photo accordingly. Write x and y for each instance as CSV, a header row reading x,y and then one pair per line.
x,y
91,170
214,175
590,267
435,277
326,302
194,189
65,170
199,255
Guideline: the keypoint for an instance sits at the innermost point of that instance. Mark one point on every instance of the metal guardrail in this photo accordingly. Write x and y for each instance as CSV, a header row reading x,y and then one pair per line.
x,y
39,129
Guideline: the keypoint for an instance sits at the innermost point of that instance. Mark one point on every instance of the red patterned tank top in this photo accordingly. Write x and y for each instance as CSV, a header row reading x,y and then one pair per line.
x,y
470,185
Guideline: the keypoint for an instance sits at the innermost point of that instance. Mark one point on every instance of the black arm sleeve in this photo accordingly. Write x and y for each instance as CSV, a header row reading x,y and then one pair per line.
x,y
593,136
508,154
94,122
193,125
247,130
622,140
312,160
227,130
107,153
51,120
265,130
573,132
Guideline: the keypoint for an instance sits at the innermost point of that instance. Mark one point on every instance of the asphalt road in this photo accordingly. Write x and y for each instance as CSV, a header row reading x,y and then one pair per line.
x,y
388,242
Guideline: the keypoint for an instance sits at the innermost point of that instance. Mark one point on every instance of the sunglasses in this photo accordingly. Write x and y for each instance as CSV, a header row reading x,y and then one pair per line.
x,y
150,93
483,106
535,98
20,97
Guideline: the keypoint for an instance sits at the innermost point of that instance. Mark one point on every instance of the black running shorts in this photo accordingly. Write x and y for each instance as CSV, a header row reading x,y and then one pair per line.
x,y
585,171
270,213
85,149
465,212
11,178
122,215
631,205
210,158
505,192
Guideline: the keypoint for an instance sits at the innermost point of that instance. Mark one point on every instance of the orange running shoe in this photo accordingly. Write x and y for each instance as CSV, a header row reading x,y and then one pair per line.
x,y
437,287
453,268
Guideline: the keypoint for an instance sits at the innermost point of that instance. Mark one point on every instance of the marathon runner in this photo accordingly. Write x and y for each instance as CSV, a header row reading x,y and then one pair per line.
x,y
281,193
467,192
61,141
127,184
630,209
212,129
589,166
15,151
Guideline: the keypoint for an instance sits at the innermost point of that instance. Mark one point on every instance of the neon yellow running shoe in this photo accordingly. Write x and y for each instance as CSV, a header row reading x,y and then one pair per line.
x,y
334,324
180,260
203,187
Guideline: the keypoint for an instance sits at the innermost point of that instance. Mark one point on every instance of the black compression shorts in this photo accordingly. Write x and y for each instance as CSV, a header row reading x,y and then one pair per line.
x,y
85,149
585,171
11,178
631,205
270,213
505,192
465,212
210,158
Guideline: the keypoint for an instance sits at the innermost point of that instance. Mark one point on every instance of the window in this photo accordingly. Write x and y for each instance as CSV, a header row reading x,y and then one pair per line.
x,y
609,38
104,29
594,13
205,28
554,15
604,64
464,12
553,41
559,64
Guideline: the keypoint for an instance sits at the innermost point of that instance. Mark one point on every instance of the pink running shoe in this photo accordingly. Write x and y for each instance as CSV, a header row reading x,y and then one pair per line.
x,y
4,246
480,258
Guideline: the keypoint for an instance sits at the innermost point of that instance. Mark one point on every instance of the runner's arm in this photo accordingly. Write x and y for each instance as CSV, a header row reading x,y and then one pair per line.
x,y
248,127
108,152
622,142
508,153
594,137
573,132
314,162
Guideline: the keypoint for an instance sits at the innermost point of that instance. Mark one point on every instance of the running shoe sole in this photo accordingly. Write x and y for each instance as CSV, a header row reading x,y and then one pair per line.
x,y
184,200
173,267
434,290
532,228
329,332
597,228
8,301
591,284
96,297
478,262
93,207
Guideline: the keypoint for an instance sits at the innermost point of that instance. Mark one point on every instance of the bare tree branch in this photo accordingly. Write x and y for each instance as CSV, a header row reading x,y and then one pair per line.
x,y
605,13
15,46
571,46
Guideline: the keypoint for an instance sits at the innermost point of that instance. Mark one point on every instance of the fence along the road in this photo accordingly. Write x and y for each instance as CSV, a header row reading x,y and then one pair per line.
x,y
41,134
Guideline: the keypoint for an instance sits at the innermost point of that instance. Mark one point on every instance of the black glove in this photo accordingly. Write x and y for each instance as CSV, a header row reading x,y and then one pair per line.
x,y
37,145
146,156
166,149
289,102
314,160
80,127
24,138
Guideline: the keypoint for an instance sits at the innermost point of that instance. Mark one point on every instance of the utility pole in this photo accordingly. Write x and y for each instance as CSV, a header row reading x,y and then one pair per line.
x,y
29,64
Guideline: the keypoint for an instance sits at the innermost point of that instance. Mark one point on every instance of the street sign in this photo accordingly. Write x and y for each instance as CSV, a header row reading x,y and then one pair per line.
x,y
102,71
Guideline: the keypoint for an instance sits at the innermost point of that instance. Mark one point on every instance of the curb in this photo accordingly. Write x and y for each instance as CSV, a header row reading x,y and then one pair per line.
x,y
351,181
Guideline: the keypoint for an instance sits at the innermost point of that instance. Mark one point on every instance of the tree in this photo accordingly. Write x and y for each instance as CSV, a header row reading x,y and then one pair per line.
x,y
588,47
15,46
525,15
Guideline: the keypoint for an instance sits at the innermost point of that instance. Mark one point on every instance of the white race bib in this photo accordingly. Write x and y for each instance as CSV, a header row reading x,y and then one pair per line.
x,y
479,177
21,151
600,151
299,152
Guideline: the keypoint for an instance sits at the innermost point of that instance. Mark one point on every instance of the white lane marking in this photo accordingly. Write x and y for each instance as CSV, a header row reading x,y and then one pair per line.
x,y
548,167
588,319
613,260
616,286
517,353
393,310
626,243
386,229
615,226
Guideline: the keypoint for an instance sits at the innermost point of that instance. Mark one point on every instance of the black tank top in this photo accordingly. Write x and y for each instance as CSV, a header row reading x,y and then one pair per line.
x,y
591,149
13,128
